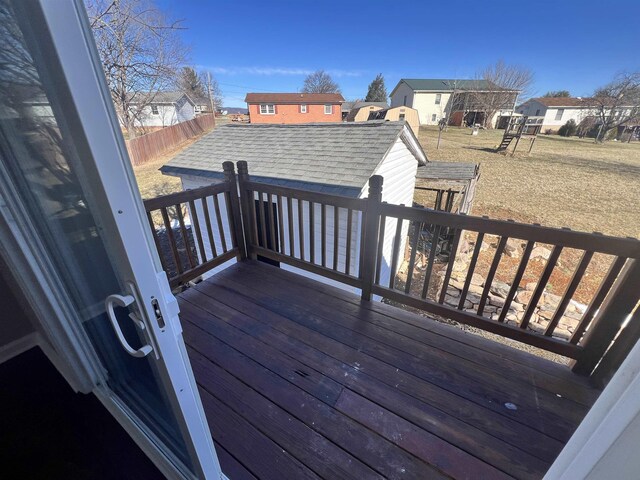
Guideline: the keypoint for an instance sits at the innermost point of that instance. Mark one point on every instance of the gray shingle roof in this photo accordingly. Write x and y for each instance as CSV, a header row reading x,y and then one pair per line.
x,y
447,171
329,157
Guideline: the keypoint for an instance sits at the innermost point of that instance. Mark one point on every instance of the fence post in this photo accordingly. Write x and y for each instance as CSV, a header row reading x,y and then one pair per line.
x,y
233,209
371,226
613,313
245,205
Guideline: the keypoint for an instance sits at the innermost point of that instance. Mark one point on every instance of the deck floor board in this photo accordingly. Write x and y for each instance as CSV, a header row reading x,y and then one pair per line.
x,y
344,389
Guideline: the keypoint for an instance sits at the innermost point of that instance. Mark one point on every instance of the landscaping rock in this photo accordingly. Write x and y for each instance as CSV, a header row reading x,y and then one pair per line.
x,y
524,296
476,289
540,252
531,286
477,279
500,289
513,248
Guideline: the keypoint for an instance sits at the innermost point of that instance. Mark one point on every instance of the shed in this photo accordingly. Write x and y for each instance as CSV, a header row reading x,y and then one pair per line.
x,y
360,111
409,115
335,158
452,184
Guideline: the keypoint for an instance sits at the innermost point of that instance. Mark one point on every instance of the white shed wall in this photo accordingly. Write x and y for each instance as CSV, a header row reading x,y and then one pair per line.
x,y
399,171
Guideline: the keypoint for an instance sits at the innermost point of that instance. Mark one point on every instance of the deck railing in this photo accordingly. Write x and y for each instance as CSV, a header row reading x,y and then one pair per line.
x,y
211,236
343,239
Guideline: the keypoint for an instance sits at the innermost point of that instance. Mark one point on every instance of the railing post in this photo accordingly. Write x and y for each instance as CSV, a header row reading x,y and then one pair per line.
x,y
233,209
613,313
245,205
371,226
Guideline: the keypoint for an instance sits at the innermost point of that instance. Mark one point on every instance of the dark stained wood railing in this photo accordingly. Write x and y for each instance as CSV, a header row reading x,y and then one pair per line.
x,y
312,231
213,236
622,252
347,240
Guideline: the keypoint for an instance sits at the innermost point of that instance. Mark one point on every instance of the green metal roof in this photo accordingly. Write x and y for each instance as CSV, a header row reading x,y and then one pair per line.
x,y
446,85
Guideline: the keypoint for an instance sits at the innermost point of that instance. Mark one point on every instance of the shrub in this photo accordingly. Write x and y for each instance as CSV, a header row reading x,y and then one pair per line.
x,y
568,129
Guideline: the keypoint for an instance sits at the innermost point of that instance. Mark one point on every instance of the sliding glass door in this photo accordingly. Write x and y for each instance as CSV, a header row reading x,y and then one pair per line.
x,y
66,182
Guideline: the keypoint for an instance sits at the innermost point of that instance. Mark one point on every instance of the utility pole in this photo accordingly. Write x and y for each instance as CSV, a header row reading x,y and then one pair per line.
x,y
211,102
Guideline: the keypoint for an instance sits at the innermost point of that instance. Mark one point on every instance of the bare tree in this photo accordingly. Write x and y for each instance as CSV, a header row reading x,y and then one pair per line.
x,y
617,103
320,82
141,53
498,87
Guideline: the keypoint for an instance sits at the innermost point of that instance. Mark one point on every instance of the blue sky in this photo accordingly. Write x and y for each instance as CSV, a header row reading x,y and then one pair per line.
x,y
269,46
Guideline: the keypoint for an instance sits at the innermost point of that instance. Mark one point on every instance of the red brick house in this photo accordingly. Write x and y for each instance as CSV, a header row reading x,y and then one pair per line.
x,y
294,107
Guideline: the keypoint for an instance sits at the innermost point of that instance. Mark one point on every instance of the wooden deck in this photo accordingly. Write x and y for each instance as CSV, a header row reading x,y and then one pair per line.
x,y
302,380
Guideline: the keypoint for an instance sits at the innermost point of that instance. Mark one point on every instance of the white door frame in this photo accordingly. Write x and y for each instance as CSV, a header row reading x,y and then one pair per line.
x,y
605,444
124,221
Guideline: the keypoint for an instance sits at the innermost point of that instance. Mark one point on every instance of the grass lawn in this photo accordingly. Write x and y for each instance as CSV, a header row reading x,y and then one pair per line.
x,y
565,182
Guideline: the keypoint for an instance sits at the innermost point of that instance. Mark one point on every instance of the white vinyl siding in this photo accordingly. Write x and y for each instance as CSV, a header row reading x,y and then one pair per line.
x,y
398,169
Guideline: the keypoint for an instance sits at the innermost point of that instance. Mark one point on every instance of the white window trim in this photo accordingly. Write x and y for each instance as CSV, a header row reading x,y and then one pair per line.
x,y
559,112
304,108
330,112
266,109
438,98
155,110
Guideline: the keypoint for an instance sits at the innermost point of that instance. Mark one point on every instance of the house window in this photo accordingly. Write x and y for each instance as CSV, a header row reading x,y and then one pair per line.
x,y
328,109
537,112
154,110
404,102
303,109
438,98
559,113
267,109
433,117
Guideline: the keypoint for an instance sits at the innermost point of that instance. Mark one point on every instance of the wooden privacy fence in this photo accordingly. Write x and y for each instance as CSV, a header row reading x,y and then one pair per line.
x,y
342,238
147,147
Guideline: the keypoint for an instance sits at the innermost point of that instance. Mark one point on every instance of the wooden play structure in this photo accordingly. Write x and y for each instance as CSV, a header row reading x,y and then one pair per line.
x,y
518,127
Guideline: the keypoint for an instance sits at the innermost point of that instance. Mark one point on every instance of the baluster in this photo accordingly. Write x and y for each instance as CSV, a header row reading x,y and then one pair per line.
x,y
185,238
492,272
323,231
542,283
301,227
172,240
263,220
568,294
415,238
598,298
312,232
380,245
472,267
347,249
280,223
196,226
452,257
395,253
431,261
516,280
292,250
272,223
336,234
207,219
156,240
216,207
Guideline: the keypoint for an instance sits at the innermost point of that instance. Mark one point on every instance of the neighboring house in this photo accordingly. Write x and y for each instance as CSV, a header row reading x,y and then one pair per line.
x,y
558,110
162,109
201,105
294,107
332,158
359,111
408,114
455,100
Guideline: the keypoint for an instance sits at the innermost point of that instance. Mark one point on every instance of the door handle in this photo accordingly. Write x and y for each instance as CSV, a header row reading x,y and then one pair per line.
x,y
125,301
